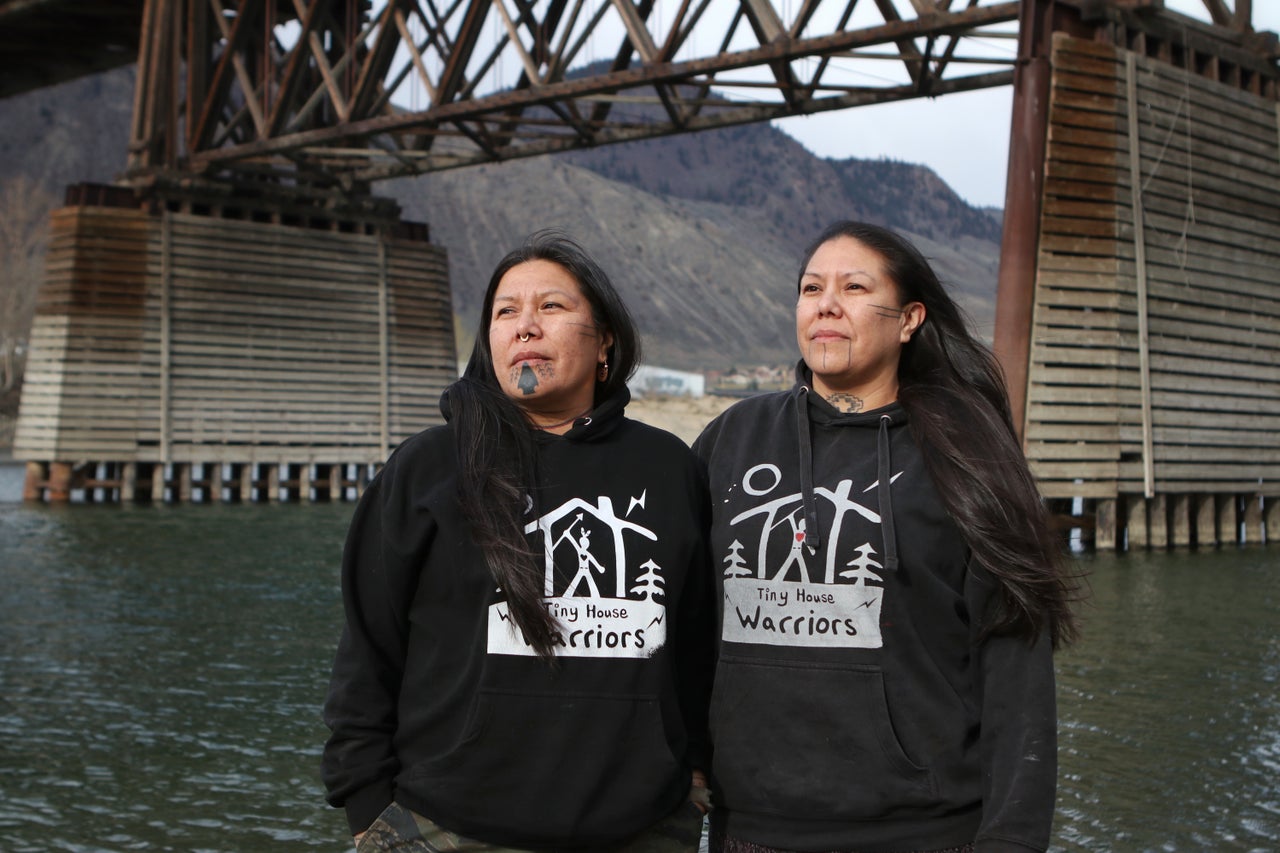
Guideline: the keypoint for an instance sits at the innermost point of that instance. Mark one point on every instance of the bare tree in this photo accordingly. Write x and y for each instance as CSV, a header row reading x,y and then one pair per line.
x,y
24,236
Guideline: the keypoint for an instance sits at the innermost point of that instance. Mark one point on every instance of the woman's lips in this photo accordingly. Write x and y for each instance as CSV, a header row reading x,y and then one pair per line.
x,y
825,337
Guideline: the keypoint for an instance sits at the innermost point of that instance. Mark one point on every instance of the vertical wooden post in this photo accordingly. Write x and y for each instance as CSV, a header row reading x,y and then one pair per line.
x,y
34,484
1271,517
1140,274
59,488
182,482
166,336
304,482
1180,518
157,482
213,476
246,482
1136,522
128,482
335,481
1105,534
1252,520
1228,521
1206,521
1158,521
273,482
384,352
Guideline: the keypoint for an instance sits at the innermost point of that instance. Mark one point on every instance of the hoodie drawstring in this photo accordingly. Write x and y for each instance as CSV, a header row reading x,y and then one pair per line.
x,y
812,532
812,536
886,496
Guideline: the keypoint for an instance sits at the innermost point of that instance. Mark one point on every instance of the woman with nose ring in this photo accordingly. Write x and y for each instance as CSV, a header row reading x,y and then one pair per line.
x,y
528,646
892,593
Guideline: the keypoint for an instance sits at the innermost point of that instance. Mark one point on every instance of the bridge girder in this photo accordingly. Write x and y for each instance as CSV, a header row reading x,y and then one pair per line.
x,y
327,93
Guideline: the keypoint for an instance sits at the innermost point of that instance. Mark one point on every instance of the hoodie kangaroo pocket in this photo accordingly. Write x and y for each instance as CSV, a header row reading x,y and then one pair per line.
x,y
810,741
554,766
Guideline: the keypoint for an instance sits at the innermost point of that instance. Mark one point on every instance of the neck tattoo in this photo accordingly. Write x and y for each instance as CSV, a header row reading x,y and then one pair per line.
x,y
846,403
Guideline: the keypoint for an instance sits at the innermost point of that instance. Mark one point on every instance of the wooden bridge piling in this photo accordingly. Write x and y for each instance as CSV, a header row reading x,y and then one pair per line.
x,y
203,483
1200,521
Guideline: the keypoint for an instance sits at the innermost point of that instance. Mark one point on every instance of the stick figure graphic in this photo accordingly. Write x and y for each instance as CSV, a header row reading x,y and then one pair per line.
x,y
797,551
582,545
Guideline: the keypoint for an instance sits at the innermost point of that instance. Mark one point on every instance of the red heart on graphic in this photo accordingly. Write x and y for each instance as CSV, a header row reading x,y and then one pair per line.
x,y
800,536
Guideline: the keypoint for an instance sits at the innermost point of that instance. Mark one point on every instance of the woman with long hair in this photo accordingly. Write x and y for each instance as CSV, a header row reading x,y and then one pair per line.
x,y
892,591
527,654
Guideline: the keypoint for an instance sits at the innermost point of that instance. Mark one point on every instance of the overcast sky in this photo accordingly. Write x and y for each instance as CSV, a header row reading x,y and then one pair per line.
x,y
963,137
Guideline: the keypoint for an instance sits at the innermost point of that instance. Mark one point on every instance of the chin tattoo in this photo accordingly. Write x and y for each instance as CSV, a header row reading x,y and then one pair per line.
x,y
527,378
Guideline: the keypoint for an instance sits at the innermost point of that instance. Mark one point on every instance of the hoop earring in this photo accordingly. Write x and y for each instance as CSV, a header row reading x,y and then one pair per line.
x,y
602,373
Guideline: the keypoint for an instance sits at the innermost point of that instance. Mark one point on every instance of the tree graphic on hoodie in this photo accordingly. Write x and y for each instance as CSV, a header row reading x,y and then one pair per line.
x,y
737,565
650,583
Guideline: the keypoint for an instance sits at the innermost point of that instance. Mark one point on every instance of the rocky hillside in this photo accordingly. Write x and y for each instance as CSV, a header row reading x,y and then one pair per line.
x,y
702,233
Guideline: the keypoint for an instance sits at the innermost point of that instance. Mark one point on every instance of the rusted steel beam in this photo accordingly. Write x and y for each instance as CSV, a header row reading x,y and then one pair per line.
x,y
214,97
309,17
452,79
1015,287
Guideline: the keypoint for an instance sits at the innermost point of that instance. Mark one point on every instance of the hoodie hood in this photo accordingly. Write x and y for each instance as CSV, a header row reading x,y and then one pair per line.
x,y
810,408
602,420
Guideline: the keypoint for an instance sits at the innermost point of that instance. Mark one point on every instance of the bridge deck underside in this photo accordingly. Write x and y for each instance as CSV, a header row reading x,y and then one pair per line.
x,y
45,42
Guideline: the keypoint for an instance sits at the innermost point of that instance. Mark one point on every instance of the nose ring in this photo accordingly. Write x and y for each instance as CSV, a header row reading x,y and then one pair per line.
x,y
524,337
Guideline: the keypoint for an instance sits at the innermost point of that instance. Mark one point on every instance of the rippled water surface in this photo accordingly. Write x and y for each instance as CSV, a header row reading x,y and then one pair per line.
x,y
161,672
162,669
1170,707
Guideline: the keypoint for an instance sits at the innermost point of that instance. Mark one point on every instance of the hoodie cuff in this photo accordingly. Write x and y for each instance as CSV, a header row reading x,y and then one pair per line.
x,y
364,806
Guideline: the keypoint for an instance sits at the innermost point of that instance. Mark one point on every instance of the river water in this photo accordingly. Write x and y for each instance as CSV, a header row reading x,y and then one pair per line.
x,y
162,670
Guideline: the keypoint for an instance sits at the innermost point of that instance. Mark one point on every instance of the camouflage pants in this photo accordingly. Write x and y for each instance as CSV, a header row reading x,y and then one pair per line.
x,y
403,831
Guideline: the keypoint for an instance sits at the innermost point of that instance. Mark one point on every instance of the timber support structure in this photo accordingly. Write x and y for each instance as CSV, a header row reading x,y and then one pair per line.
x,y
201,345
1152,392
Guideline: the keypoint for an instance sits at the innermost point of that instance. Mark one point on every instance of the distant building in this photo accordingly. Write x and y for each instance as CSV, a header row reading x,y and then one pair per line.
x,y
742,382
659,381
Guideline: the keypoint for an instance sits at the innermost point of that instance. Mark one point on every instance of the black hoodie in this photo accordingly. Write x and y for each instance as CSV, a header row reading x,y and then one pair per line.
x,y
857,704
436,702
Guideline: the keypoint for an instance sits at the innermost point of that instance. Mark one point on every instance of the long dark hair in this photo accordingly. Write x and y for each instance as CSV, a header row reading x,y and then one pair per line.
x,y
954,393
494,444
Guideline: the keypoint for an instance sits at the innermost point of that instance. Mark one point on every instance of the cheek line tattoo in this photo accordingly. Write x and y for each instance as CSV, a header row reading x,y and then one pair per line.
x,y
887,311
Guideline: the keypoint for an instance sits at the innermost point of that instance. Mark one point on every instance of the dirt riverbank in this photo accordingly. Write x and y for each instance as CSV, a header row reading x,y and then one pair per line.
x,y
684,416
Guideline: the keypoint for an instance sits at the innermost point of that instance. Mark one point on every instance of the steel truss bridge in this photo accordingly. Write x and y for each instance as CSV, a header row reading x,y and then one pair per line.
x,y
338,93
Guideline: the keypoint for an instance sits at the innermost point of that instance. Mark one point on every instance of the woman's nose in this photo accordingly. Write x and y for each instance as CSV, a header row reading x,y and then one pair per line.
x,y
527,327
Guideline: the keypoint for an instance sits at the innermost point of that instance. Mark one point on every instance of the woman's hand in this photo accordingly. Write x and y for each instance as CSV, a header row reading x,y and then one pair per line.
x,y
699,793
